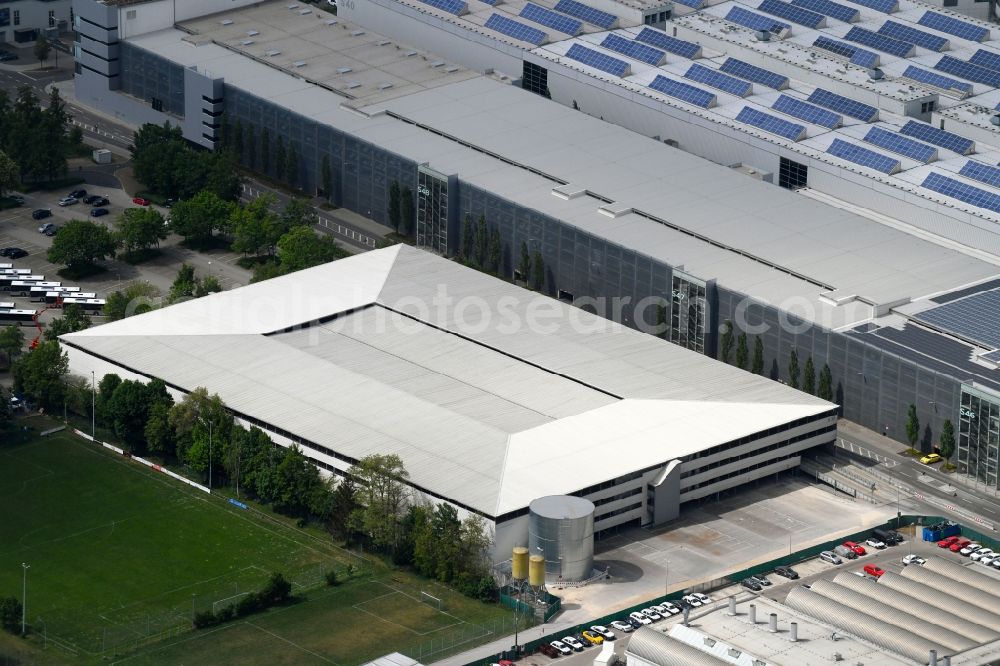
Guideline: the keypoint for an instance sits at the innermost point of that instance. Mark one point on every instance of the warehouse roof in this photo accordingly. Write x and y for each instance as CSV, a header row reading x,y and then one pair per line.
x,y
400,351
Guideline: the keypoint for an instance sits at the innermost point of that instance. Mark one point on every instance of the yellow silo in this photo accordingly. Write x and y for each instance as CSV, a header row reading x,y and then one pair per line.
x,y
536,570
519,563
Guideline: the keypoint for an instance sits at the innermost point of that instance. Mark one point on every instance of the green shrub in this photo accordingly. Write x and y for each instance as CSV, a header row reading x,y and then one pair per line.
x,y
205,619
331,578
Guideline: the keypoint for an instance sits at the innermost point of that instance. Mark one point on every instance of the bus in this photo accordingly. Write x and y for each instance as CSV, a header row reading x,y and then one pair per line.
x,y
18,317
7,306
39,291
52,296
2,266
15,271
88,304
6,280
23,287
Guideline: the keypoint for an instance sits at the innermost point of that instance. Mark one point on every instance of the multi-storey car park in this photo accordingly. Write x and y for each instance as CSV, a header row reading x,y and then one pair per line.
x,y
491,395
613,213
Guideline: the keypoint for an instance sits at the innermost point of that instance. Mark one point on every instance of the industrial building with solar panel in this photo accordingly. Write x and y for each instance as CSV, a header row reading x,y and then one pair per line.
x,y
820,205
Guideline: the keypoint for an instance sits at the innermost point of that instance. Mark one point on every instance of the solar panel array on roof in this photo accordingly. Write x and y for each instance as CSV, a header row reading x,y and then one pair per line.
x,y
856,55
880,42
515,29
807,112
695,4
975,318
844,105
951,65
755,21
992,356
863,156
683,91
745,70
914,36
598,60
786,10
901,145
635,50
884,6
716,79
772,124
551,19
953,26
938,137
956,189
936,80
832,9
661,40
456,7
587,13
984,173
985,58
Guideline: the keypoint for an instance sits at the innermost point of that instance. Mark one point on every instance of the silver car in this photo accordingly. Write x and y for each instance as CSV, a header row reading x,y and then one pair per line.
x,y
830,557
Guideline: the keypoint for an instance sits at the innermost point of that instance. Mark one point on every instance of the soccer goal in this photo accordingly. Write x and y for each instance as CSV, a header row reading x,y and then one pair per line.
x,y
430,599
222,603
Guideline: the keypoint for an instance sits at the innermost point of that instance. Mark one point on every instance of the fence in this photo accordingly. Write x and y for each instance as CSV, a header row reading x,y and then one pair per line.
x,y
142,461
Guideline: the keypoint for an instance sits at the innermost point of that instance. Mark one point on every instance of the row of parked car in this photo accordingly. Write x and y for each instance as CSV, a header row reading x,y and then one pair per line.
x,y
851,550
760,581
974,551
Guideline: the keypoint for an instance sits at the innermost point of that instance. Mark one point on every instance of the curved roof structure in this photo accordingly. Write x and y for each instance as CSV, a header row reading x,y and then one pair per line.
x,y
963,591
862,625
916,606
964,574
655,647
880,611
942,600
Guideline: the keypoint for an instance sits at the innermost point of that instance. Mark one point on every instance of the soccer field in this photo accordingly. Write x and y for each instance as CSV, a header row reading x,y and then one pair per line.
x,y
121,554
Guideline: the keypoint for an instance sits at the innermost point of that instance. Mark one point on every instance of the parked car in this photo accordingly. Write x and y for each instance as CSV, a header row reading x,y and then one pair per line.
x,y
875,543
996,563
13,253
959,545
913,559
873,570
140,201
890,537
624,627
17,199
981,553
52,231
762,579
787,572
947,541
858,550
989,559
98,212
603,632
662,610
561,647
549,650
651,614
670,608
44,229
77,194
831,557
640,618
931,458
68,201
7,56
751,584
41,214
703,598
845,552
970,549
592,637
573,643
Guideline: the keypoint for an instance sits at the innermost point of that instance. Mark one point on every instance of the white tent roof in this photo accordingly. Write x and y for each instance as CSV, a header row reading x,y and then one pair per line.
x,y
412,354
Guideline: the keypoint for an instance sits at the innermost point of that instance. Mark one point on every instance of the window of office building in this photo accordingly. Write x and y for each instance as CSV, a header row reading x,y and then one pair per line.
x,y
979,436
792,174
535,78
17,17
52,18
432,210
688,312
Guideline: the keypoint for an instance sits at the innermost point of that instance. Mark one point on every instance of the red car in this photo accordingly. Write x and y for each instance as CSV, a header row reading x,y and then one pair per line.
x,y
873,570
858,550
948,541
549,651
139,201
959,545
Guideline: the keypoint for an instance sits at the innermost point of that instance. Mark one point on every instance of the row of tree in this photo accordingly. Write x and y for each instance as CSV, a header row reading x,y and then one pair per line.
x,y
401,209
270,156
482,248
166,164
33,139
276,592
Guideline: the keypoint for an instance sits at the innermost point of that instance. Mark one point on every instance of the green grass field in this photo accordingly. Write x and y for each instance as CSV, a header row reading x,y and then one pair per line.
x,y
120,555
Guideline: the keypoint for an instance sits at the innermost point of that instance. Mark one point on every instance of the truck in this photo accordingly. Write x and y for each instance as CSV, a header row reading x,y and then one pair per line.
x,y
888,537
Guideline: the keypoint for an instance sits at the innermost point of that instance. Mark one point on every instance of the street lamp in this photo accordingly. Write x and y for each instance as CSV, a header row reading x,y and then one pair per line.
x,y
24,594
208,422
93,406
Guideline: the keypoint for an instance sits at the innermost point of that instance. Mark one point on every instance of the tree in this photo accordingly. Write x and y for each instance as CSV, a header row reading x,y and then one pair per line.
x,y
382,494
742,352
408,212
726,346
326,177
198,218
912,426
251,147
158,434
23,124
494,253
73,319
10,614
80,243
299,489
661,327
395,206
481,243
302,247
265,151
825,388
42,50
296,213
52,137
105,389
129,409
11,342
292,166
140,229
238,139
279,158
183,286
757,365
39,374
524,265
135,299
198,442
793,369
947,441
10,177
809,377
154,148
537,272
343,503
254,226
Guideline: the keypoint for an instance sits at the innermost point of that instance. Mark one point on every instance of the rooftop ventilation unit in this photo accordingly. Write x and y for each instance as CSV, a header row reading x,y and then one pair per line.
x,y
299,63
410,54
451,69
272,53
384,42
226,21
995,120
437,63
293,6
352,85
331,22
252,33
384,86
763,35
247,42
357,33
303,12
343,70
876,74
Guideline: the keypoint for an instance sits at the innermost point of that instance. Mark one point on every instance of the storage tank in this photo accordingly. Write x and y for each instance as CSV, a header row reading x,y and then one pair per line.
x,y
536,571
519,563
561,528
